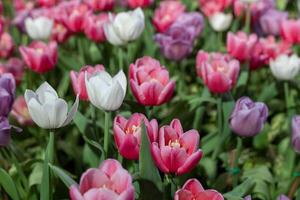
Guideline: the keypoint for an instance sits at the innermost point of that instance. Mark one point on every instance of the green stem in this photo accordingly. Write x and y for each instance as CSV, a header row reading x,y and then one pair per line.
x,y
106,132
287,99
248,19
236,161
220,118
94,118
121,64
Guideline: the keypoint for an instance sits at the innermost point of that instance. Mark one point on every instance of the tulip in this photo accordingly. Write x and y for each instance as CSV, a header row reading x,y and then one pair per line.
x,y
101,5
139,3
285,67
47,110
4,131
39,28
267,49
46,3
219,72
40,57
7,93
282,197
192,189
110,181
290,31
20,111
150,83
176,152
94,26
296,133
166,14
124,27
74,17
105,92
60,33
240,45
248,117
220,21
248,197
271,21
15,66
78,79
127,134
6,45
211,7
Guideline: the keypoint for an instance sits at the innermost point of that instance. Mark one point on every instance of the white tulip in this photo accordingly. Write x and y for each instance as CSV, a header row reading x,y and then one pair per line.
x,y
47,110
220,21
105,92
39,28
124,27
285,67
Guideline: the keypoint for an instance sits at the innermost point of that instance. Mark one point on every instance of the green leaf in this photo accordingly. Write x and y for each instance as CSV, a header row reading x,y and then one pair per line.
x,y
298,194
148,170
241,190
81,122
8,185
64,177
45,185
35,177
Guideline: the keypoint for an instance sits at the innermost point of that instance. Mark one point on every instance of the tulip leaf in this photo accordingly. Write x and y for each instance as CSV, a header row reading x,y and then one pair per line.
x,y
45,185
64,177
8,185
241,190
298,194
148,170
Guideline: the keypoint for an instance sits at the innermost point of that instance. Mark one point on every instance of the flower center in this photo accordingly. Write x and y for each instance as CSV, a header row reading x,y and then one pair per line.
x,y
133,129
174,143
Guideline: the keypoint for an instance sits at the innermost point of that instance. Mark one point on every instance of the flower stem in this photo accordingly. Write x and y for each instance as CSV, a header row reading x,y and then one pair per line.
x,y
220,118
94,118
248,19
106,132
287,98
236,161
120,52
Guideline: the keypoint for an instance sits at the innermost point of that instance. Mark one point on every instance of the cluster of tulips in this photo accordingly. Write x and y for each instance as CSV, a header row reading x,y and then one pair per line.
x,y
36,40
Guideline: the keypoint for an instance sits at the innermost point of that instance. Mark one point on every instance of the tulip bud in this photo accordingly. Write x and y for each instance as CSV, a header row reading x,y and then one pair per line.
x,y
248,117
109,181
220,21
7,93
150,82
218,71
40,57
39,28
127,134
296,133
285,67
124,27
174,143
47,110
105,92
78,79
192,189
20,111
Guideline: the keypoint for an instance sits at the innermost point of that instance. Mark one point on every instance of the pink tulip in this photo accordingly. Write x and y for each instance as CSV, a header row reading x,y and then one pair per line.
x,y
93,26
267,49
74,17
139,3
20,111
127,134
60,33
15,66
192,189
176,152
218,71
211,7
290,31
240,45
150,83
78,79
6,45
101,5
40,57
109,182
46,3
166,14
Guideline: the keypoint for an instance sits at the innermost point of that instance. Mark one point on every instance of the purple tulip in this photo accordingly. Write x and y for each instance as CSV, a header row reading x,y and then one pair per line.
x,y
177,42
283,197
7,93
4,131
270,22
248,117
296,133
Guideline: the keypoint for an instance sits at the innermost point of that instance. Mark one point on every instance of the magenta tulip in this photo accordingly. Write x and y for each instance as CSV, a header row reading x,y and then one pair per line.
x,y
139,3
109,182
93,26
6,45
101,5
193,190
150,83
290,31
127,134
219,72
176,151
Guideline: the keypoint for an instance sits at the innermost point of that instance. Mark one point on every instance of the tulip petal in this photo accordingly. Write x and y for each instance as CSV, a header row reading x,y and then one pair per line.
x,y
38,114
129,147
57,112
190,163
121,78
92,178
110,166
194,186
29,94
72,112
155,152
190,141
45,88
121,180
209,194
75,193
127,194
166,93
100,194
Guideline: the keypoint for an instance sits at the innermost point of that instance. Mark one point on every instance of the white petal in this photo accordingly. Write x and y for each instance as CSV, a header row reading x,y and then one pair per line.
x,y
38,114
57,111
29,94
90,91
111,35
72,112
45,87
31,29
121,78
114,98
